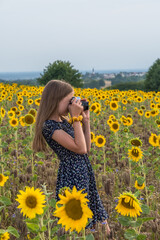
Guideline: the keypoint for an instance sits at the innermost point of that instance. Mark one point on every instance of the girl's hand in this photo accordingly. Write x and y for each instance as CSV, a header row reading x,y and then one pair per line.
x,y
75,108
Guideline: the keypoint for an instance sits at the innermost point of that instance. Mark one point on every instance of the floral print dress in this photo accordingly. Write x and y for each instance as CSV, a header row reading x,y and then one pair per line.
x,y
74,169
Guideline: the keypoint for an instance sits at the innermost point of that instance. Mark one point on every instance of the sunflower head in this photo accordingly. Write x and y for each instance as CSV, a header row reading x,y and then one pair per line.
x,y
100,141
128,205
74,212
136,142
29,119
31,201
4,236
3,179
126,130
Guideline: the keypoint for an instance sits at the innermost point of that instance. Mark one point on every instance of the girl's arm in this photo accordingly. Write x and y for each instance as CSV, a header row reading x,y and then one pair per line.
x,y
86,129
78,144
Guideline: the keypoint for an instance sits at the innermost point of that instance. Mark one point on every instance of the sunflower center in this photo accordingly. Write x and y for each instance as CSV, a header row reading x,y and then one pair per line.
x,y
114,105
1,178
135,142
126,204
14,121
73,209
154,139
31,202
135,152
115,126
100,140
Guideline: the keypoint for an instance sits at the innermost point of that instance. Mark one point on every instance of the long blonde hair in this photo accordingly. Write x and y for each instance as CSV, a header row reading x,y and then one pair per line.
x,y
53,93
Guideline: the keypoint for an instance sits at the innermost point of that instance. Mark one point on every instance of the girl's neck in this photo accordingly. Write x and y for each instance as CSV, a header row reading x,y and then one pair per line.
x,y
57,118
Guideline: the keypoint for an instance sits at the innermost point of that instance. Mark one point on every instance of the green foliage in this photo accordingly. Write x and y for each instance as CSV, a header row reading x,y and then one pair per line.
x,y
128,85
94,83
61,70
126,79
152,81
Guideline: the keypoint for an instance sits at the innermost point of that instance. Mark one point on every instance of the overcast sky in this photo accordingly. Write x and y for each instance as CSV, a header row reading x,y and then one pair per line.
x,y
104,34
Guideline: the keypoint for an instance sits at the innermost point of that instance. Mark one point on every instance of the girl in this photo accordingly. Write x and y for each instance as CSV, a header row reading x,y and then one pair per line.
x,y
70,143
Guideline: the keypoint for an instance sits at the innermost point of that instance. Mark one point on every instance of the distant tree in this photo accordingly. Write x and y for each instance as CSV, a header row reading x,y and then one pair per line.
x,y
61,70
152,81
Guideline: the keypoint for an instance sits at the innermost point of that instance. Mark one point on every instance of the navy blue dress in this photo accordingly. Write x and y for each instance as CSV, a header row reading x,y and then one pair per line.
x,y
74,169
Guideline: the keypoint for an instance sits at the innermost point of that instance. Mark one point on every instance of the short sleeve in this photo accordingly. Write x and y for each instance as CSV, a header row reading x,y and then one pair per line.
x,y
48,129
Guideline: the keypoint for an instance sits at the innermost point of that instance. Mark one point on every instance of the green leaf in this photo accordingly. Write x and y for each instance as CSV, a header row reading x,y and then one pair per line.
x,y
13,231
45,210
54,230
151,188
141,237
6,201
40,155
43,229
33,220
145,209
90,237
136,223
32,227
130,234
1,207
2,231
140,180
137,193
124,220
52,203
40,163
146,219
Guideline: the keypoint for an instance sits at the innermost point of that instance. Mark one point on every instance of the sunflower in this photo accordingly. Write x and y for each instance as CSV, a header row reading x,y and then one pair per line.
x,y
21,107
147,114
140,112
128,205
93,107
109,122
11,114
143,107
92,137
3,179
139,186
29,119
3,112
21,120
4,236
18,113
33,112
124,101
9,98
37,101
74,212
31,201
129,121
154,112
114,105
114,126
136,142
30,101
100,140
153,140
13,122
135,154
14,109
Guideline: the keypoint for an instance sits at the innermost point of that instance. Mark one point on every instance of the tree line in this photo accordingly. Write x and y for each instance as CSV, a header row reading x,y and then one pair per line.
x,y
63,70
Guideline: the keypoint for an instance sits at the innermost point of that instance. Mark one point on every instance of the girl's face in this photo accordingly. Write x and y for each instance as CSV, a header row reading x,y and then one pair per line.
x,y
63,104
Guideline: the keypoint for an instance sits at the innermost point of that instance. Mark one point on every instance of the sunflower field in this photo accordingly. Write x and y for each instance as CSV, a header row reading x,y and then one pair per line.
x,y
125,136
